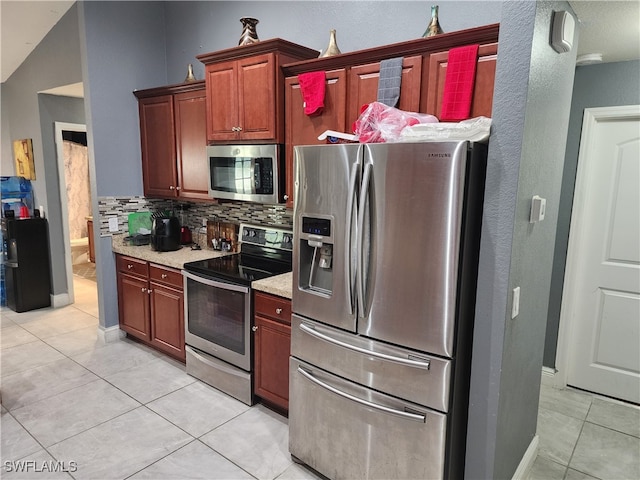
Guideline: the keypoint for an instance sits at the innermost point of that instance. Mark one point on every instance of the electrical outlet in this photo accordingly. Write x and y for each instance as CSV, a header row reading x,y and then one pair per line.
x,y
113,224
515,302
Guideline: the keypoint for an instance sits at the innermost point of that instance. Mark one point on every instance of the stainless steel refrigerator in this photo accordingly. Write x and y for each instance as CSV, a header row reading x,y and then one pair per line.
x,y
386,240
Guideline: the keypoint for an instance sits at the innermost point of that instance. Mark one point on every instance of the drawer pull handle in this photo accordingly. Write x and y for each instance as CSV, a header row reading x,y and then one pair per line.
x,y
278,311
164,275
424,364
129,266
383,408
254,328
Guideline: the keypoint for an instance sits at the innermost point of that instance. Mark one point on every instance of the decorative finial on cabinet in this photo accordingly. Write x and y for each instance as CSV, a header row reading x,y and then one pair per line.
x,y
434,25
332,48
190,76
249,34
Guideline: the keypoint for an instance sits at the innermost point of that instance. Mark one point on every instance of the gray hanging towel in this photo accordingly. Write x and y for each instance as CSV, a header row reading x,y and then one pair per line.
x,y
389,81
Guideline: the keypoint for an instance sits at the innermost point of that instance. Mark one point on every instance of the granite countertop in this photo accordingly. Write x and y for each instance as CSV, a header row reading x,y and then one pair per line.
x,y
175,259
281,285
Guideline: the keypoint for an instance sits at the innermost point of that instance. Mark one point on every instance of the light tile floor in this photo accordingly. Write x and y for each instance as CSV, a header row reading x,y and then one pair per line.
x,y
585,436
122,410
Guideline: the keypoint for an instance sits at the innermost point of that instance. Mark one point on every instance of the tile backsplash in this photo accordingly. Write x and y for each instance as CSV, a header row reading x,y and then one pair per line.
x,y
237,212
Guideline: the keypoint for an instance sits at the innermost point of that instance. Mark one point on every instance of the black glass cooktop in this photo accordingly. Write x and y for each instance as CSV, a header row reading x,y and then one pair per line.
x,y
239,268
264,252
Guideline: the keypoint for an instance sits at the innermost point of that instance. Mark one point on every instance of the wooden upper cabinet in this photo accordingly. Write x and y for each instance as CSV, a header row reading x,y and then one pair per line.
x,y
302,129
482,101
191,145
257,97
245,90
173,141
363,87
157,138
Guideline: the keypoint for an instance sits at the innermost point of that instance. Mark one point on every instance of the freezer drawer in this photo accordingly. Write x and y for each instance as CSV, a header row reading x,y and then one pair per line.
x,y
413,376
343,430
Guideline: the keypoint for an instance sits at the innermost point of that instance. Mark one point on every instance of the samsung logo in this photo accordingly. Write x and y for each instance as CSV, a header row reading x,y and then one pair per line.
x,y
441,155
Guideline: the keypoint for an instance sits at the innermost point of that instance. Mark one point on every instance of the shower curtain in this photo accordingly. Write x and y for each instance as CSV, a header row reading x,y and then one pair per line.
x,y
76,174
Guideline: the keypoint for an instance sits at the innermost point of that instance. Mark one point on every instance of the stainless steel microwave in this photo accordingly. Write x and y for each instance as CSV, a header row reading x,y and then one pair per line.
x,y
253,173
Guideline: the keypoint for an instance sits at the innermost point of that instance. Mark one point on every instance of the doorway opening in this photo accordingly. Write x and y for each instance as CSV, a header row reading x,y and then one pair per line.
x,y
75,199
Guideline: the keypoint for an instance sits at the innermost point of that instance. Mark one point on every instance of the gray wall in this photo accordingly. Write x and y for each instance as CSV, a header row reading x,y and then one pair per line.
x,y
194,28
56,109
605,85
123,48
526,152
26,114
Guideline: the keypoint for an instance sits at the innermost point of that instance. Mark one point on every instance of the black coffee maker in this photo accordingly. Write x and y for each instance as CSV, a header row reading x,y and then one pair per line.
x,y
165,233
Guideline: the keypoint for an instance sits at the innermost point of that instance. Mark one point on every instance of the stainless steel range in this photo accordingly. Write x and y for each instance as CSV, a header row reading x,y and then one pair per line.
x,y
218,308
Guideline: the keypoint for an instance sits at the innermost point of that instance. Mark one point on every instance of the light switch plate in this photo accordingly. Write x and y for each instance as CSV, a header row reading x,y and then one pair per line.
x,y
538,208
515,302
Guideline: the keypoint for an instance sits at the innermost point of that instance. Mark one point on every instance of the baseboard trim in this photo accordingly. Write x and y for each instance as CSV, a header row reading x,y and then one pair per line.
x,y
524,467
60,300
549,376
111,334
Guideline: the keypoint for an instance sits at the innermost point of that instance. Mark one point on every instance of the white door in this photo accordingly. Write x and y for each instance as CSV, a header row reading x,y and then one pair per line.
x,y
602,281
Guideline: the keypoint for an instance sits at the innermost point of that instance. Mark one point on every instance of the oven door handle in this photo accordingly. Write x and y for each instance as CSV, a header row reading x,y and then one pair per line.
x,y
214,283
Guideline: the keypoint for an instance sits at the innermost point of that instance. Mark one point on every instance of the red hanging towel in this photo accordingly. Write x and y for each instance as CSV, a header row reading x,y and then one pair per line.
x,y
459,83
312,87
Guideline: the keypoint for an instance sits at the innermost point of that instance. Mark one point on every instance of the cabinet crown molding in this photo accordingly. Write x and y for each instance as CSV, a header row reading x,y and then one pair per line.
x,y
420,46
264,46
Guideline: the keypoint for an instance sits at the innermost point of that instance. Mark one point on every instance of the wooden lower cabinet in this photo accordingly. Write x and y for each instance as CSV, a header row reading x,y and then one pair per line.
x,y
151,304
272,340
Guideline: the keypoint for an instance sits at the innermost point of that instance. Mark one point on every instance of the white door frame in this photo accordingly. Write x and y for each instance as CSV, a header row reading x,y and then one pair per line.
x,y
71,127
592,116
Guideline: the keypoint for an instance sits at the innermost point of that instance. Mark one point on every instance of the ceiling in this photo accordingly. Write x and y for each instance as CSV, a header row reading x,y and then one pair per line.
x,y
611,28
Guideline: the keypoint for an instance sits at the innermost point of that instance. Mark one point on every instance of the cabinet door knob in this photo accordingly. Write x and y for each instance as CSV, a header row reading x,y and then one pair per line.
x,y
177,188
149,291
129,266
171,187
143,290
286,197
164,275
278,311
254,328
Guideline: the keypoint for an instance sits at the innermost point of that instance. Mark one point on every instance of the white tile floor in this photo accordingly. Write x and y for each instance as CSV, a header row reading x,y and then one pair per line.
x,y
584,436
121,410
125,411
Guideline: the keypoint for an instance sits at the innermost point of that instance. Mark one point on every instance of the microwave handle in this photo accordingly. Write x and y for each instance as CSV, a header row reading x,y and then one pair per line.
x,y
214,283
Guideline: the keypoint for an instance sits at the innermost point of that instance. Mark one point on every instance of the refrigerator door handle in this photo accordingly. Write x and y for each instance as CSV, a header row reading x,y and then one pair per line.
x,y
366,178
351,203
425,364
382,408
